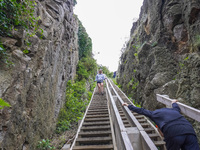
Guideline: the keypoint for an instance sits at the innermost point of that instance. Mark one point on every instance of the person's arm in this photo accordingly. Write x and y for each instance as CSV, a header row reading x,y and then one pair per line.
x,y
138,110
175,105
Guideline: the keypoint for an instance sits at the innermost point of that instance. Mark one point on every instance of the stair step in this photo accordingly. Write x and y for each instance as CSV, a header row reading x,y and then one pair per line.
x,y
95,110
100,112
153,135
93,147
124,118
126,122
127,125
149,129
95,128
122,114
96,123
99,107
141,120
139,117
96,116
159,143
135,114
96,119
102,106
144,124
94,140
95,133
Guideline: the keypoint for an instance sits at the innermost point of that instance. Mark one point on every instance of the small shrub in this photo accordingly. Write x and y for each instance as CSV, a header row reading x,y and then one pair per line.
x,y
136,104
63,125
4,58
15,13
77,98
45,145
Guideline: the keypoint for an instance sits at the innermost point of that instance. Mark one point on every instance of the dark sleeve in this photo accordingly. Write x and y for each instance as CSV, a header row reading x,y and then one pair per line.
x,y
176,107
142,111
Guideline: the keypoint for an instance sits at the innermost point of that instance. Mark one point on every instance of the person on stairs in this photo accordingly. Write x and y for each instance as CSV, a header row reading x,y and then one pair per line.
x,y
100,77
177,131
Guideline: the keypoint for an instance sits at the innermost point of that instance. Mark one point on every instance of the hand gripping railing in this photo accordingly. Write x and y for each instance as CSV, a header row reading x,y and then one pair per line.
x,y
187,110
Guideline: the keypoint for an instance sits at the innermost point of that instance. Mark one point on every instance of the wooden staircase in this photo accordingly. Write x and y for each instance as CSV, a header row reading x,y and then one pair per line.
x,y
95,133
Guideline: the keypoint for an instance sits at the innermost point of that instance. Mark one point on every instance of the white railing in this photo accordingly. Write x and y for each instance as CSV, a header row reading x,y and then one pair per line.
x,y
125,142
148,142
187,110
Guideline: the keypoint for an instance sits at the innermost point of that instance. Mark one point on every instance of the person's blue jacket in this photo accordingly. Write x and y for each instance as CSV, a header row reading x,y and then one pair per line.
x,y
100,77
167,118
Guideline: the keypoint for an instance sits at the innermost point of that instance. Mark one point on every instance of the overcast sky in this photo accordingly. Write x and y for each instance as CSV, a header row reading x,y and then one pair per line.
x,y
108,23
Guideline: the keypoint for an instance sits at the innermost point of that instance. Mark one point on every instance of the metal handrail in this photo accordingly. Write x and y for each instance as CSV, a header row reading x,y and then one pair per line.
x,y
146,138
123,132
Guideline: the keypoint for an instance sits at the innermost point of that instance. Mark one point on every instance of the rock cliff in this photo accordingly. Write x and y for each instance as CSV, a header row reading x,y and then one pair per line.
x,y
35,85
163,54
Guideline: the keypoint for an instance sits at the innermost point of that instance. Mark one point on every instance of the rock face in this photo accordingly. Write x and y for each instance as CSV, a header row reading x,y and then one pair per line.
x,y
163,54
35,86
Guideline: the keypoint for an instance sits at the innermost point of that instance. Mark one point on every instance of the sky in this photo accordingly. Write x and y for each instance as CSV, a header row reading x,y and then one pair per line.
x,y
108,24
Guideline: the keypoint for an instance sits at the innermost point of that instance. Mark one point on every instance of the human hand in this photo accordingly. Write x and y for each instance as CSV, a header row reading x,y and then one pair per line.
x,y
174,101
125,104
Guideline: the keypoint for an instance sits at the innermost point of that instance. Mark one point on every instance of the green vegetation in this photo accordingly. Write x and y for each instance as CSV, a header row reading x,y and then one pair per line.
x,y
115,82
133,83
15,14
136,104
84,42
45,145
136,47
106,71
3,104
4,58
186,58
77,96
86,66
183,63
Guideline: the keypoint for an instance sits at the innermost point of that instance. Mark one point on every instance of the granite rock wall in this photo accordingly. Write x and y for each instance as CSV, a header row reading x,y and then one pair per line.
x,y
163,54
35,85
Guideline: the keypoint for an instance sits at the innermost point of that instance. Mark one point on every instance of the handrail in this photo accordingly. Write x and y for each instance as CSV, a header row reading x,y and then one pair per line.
x,y
146,138
123,132
187,110
144,116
